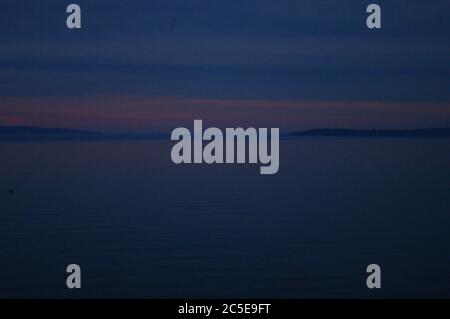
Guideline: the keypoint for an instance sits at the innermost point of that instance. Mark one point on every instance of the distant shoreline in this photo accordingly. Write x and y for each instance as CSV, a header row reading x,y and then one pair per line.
x,y
429,132
28,133
31,130
25,133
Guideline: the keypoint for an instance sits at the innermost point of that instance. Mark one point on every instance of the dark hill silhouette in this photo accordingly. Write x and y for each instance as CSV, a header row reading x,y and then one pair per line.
x,y
41,133
13,133
28,130
429,132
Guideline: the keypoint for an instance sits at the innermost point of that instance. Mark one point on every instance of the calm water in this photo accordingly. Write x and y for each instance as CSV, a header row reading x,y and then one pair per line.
x,y
140,226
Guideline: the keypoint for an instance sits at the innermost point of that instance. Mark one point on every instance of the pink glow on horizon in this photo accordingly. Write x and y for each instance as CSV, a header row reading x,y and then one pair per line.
x,y
162,114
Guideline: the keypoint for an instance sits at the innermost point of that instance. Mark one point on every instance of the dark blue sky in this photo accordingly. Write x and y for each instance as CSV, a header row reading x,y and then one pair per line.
x,y
222,55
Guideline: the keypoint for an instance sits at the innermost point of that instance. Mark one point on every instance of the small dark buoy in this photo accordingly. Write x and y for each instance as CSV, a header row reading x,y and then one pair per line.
x,y
11,191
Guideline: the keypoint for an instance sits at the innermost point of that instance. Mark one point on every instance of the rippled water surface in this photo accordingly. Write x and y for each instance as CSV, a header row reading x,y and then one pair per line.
x,y
140,226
